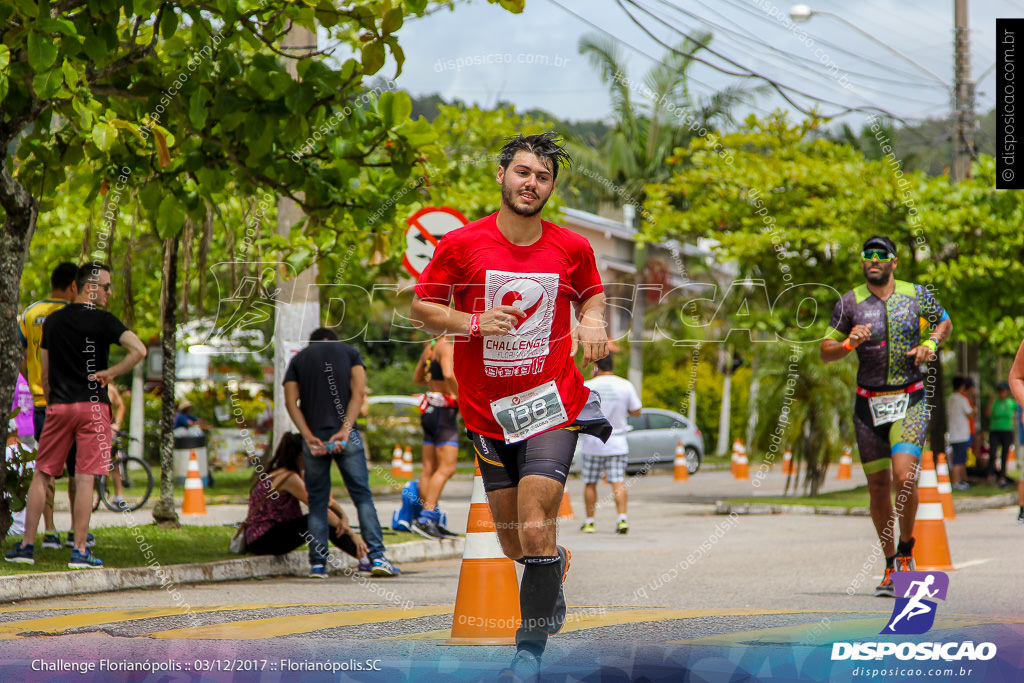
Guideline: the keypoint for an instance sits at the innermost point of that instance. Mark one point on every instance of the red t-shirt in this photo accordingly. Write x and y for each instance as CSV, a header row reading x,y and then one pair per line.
x,y
479,269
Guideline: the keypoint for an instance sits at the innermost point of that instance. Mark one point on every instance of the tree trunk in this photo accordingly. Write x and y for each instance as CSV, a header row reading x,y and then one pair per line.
x,y
19,221
725,414
164,511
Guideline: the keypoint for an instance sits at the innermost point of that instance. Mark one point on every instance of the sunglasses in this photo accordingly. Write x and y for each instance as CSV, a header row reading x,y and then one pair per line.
x,y
105,286
879,254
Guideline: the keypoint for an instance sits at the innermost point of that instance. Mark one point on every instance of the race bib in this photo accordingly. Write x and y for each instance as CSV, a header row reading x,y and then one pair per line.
x,y
529,412
888,408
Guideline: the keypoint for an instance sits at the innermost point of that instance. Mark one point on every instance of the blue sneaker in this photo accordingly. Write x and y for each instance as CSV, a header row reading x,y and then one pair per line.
x,y
90,540
51,540
22,554
382,566
84,560
318,571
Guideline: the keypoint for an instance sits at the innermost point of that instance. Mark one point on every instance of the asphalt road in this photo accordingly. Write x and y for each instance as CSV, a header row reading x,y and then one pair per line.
x,y
683,587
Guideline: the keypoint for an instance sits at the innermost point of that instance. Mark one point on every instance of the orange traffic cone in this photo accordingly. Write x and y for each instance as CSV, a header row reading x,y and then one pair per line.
x,y
787,462
742,469
565,509
396,462
931,547
487,602
845,465
195,501
735,457
682,472
407,471
1011,461
944,487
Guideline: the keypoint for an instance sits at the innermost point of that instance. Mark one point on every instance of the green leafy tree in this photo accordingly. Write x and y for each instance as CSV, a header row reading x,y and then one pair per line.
x,y
172,102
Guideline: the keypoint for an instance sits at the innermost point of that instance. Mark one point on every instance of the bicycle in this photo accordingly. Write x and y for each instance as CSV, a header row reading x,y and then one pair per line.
x,y
136,479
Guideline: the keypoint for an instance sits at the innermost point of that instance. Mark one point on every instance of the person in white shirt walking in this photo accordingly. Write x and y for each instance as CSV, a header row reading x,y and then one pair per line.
x,y
618,398
958,412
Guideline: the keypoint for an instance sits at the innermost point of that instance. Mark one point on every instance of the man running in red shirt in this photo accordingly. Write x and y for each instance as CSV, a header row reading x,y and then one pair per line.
x,y
513,279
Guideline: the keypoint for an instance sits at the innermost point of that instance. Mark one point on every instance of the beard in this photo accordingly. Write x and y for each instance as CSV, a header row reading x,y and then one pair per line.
x,y
882,278
510,199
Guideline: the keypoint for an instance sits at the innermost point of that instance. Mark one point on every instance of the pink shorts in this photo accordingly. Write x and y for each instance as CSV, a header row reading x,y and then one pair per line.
x,y
85,424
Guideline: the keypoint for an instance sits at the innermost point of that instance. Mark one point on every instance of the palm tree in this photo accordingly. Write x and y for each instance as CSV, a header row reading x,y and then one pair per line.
x,y
812,407
652,116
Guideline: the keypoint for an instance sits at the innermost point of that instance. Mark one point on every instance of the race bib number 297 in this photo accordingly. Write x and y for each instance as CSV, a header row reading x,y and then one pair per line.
x,y
529,412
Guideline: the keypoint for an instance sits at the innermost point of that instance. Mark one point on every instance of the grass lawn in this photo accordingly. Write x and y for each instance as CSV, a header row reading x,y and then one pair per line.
x,y
119,547
858,497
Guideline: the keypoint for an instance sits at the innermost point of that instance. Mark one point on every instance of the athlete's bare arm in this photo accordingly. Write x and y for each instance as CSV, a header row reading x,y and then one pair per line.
x,y
1016,378
939,334
592,333
832,350
437,318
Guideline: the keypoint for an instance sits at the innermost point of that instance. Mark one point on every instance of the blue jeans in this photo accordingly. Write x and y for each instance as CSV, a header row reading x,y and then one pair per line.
x,y
352,463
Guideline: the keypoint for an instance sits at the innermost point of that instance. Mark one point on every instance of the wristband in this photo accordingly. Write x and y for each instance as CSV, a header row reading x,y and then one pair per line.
x,y
847,345
474,325
931,344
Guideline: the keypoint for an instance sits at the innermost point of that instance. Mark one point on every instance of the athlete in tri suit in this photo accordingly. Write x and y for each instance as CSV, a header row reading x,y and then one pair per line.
x,y
513,279
883,321
440,411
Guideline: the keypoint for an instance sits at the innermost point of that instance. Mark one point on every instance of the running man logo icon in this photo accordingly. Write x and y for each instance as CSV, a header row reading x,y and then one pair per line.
x,y
913,614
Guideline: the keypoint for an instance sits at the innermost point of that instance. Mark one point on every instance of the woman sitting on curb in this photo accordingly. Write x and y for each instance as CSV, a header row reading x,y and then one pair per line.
x,y
276,524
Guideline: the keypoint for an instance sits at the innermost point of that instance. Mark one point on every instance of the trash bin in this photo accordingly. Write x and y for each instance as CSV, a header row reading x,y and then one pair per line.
x,y
186,441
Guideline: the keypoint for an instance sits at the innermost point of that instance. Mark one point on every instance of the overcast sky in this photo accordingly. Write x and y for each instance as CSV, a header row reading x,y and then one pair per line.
x,y
481,53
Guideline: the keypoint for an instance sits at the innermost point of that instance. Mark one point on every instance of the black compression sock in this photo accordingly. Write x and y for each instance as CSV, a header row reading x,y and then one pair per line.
x,y
905,547
537,596
890,562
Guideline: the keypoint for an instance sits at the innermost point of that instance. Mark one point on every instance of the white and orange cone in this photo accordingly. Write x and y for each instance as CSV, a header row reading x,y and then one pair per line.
x,y
565,509
742,465
787,462
487,602
845,465
1011,461
682,472
944,487
931,546
396,462
195,500
407,471
735,457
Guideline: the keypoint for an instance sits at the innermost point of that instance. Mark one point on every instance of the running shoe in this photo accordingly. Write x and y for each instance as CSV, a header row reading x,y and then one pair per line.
x,y
446,532
427,528
22,554
1020,517
51,540
382,566
886,588
90,540
905,563
318,571
84,560
558,614
588,528
622,527
525,667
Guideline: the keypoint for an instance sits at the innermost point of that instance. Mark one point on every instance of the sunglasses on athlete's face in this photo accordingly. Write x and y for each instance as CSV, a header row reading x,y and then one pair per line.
x,y
105,286
877,255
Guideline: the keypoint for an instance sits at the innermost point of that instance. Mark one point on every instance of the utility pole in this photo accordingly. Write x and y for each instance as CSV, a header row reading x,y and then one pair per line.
x,y
298,310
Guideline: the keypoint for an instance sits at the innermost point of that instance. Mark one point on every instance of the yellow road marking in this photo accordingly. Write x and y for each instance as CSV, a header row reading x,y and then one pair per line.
x,y
66,622
304,623
582,621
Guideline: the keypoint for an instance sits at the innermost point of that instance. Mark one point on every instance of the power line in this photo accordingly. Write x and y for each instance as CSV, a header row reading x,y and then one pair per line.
x,y
780,88
639,51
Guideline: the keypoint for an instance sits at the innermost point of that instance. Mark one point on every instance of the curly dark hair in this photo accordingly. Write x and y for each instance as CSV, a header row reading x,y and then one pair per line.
x,y
547,146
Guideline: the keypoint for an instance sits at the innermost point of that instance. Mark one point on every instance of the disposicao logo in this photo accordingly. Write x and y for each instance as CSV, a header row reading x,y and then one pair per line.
x,y
914,614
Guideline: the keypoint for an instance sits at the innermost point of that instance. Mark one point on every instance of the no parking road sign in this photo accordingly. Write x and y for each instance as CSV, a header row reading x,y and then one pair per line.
x,y
426,228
